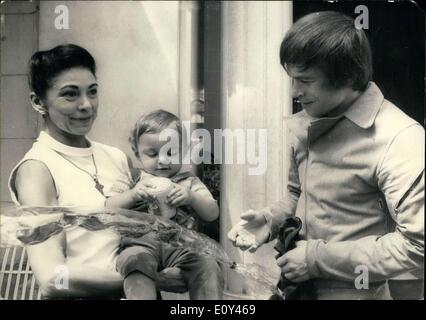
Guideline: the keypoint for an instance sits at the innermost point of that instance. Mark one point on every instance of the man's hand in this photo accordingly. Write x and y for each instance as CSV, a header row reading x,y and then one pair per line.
x,y
179,196
251,232
293,263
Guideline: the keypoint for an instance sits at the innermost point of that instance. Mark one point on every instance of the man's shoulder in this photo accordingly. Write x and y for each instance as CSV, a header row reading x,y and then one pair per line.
x,y
391,120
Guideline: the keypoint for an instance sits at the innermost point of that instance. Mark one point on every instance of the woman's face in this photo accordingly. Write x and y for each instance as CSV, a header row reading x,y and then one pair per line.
x,y
71,102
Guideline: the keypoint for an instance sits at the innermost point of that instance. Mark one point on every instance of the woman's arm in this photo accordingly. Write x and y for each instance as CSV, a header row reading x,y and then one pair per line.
x,y
60,279
125,200
57,277
34,184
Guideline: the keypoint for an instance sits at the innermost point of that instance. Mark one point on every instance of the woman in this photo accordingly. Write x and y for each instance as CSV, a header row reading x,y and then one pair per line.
x,y
64,168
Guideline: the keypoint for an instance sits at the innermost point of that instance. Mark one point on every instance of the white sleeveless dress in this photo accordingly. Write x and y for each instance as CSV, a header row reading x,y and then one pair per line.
x,y
74,187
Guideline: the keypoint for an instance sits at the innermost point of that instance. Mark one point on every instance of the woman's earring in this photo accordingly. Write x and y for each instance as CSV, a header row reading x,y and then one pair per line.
x,y
42,111
37,105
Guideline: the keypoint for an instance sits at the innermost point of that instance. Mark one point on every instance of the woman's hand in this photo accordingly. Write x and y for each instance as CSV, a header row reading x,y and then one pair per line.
x,y
179,196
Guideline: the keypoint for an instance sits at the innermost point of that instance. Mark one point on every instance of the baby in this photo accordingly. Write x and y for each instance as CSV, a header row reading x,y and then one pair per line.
x,y
180,196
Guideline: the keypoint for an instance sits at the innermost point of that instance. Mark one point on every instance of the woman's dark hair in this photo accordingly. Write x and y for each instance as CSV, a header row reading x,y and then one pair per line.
x,y
153,122
45,65
331,42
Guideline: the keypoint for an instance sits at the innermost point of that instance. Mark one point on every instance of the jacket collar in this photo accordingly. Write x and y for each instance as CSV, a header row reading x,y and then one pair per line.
x,y
362,112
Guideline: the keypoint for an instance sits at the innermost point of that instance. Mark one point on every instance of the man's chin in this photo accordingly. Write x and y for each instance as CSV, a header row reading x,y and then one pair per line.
x,y
314,113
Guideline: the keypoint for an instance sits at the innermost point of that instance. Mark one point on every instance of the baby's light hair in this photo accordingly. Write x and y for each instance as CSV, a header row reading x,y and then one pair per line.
x,y
153,122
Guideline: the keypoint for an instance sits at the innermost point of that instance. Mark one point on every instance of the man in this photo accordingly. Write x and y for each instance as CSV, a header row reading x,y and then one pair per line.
x,y
356,176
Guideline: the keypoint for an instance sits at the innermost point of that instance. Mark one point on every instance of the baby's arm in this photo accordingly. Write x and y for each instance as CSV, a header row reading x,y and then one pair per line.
x,y
129,198
198,197
205,207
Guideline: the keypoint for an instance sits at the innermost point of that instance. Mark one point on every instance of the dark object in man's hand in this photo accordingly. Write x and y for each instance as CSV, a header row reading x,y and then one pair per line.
x,y
286,289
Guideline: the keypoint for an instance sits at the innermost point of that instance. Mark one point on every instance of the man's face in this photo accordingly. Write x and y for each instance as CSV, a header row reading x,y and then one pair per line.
x,y
316,95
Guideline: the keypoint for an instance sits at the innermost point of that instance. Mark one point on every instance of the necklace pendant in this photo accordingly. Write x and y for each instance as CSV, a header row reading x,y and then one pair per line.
x,y
98,185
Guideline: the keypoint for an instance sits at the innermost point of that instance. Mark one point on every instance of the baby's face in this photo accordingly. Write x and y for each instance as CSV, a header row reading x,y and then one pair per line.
x,y
154,158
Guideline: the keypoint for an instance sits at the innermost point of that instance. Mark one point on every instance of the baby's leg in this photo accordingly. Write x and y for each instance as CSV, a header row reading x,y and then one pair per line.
x,y
138,265
202,273
138,286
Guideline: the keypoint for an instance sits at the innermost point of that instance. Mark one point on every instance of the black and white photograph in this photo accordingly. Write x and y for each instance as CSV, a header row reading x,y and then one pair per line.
x,y
212,150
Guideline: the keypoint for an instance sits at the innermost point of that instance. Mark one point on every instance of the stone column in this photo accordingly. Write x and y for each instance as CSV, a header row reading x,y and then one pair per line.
x,y
189,12
256,94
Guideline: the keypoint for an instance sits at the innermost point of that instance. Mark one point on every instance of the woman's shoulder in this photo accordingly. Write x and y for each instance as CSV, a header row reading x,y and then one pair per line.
x,y
33,167
33,182
34,163
33,170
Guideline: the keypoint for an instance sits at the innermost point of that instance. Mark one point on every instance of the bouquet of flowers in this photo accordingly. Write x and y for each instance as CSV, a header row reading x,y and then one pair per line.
x,y
23,226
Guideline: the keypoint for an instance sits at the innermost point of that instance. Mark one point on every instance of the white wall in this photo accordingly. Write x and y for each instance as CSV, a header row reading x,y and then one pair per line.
x,y
18,122
136,47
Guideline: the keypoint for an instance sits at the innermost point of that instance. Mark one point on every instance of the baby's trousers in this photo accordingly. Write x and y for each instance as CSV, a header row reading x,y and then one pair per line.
x,y
201,273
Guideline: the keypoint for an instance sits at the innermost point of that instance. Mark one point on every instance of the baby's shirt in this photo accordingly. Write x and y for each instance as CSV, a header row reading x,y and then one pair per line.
x,y
185,215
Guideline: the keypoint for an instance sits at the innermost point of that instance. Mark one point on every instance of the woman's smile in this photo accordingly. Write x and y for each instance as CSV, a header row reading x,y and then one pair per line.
x,y
82,120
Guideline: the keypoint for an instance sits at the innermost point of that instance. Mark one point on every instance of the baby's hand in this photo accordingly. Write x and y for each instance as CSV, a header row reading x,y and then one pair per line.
x,y
141,190
179,196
